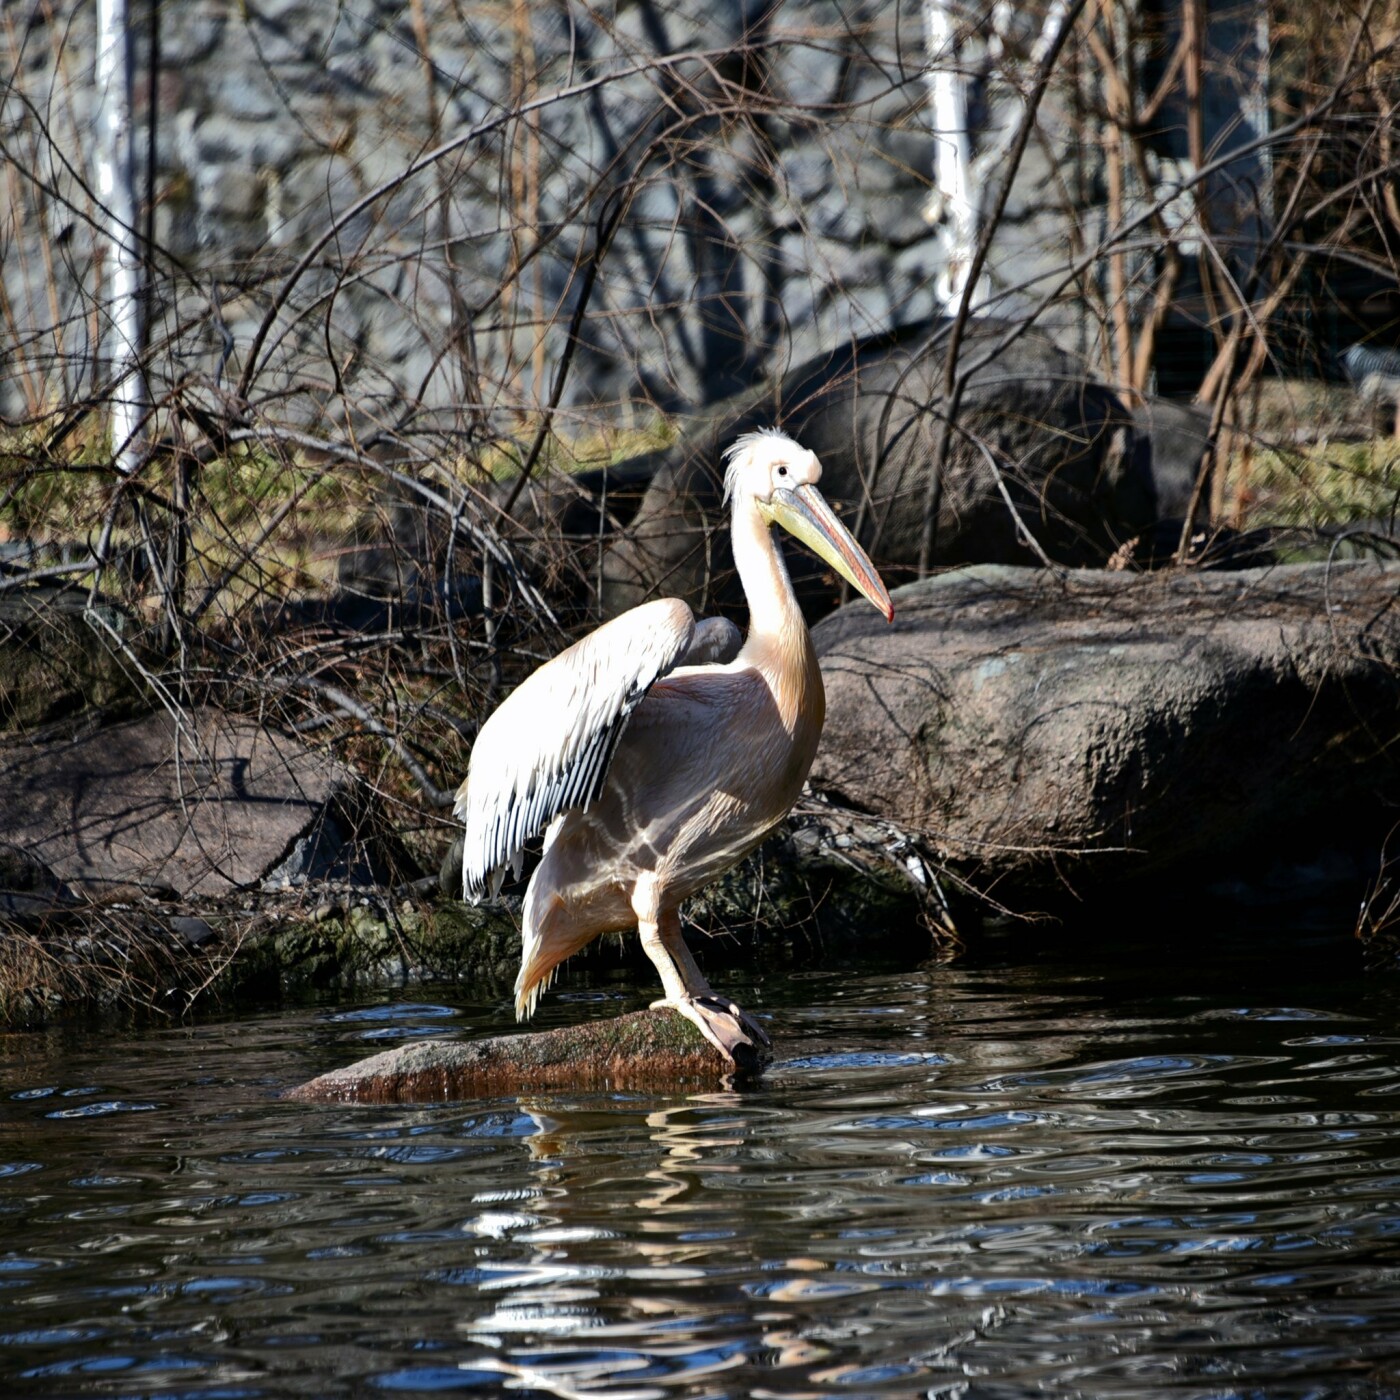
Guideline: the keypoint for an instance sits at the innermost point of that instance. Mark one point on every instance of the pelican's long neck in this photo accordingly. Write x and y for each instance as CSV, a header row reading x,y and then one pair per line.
x,y
777,642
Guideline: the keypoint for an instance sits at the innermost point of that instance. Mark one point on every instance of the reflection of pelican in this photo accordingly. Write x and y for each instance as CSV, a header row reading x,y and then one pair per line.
x,y
687,1138
616,1238
654,775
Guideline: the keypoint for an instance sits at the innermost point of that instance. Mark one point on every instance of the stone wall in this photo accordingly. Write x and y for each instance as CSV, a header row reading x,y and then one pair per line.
x,y
725,214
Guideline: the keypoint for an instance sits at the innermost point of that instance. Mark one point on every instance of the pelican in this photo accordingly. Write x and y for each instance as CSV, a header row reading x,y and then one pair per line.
x,y
654,759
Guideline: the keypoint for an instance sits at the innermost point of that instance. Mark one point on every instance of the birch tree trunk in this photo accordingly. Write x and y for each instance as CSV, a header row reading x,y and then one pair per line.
x,y
951,207
963,181
121,321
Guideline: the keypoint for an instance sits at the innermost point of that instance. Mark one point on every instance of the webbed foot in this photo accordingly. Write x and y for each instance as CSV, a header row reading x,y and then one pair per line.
x,y
725,1024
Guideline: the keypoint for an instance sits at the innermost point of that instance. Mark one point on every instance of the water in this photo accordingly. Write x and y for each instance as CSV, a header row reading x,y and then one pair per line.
x,y
1102,1173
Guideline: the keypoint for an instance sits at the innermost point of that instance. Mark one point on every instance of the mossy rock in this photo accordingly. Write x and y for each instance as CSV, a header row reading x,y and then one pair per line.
x,y
795,902
824,889
645,1049
371,943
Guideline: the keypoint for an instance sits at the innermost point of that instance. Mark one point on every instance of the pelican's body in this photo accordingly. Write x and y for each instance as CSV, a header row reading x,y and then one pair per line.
x,y
654,776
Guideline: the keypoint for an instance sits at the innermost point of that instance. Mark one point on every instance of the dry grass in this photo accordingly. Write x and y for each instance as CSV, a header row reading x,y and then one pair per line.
x,y
1312,456
102,957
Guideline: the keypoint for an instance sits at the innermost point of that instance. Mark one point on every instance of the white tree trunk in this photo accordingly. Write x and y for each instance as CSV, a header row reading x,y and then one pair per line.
x,y
962,182
951,207
118,211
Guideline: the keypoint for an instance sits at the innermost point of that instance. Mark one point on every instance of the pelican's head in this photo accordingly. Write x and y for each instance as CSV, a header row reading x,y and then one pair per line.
x,y
770,473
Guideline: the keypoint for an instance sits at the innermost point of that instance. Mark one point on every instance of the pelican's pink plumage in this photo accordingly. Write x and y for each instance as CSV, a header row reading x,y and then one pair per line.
x,y
649,775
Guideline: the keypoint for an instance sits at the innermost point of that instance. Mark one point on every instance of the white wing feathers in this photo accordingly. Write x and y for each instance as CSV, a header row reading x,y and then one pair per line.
x,y
547,747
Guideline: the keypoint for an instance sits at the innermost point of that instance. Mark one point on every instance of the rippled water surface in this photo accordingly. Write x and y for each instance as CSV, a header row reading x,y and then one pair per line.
x,y
1163,1172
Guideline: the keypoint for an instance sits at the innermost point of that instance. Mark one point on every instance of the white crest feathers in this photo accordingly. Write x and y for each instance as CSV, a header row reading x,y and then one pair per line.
x,y
737,453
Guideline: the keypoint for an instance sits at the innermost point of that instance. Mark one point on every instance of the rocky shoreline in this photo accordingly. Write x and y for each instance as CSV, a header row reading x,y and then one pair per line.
x,y
809,897
1020,741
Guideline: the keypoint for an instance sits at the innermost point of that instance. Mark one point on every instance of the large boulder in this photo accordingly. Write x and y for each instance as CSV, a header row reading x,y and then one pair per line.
x,y
191,808
1172,439
1062,446
1055,732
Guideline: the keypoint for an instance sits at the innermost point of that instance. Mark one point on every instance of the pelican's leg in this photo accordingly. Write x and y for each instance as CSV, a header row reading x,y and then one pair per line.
x,y
726,1025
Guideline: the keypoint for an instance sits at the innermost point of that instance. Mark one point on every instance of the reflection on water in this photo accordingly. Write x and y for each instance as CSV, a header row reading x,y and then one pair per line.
x,y
982,1180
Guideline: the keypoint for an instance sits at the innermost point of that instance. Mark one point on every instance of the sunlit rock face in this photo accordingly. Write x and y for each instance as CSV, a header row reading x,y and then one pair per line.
x,y
196,810
1066,733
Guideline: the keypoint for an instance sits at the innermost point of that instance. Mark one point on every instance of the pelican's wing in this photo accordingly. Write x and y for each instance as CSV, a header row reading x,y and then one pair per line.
x,y
547,747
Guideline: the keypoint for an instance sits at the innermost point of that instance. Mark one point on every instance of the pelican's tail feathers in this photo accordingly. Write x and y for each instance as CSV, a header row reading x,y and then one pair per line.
x,y
548,938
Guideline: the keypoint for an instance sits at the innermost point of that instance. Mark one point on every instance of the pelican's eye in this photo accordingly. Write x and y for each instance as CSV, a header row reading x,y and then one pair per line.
x,y
782,471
